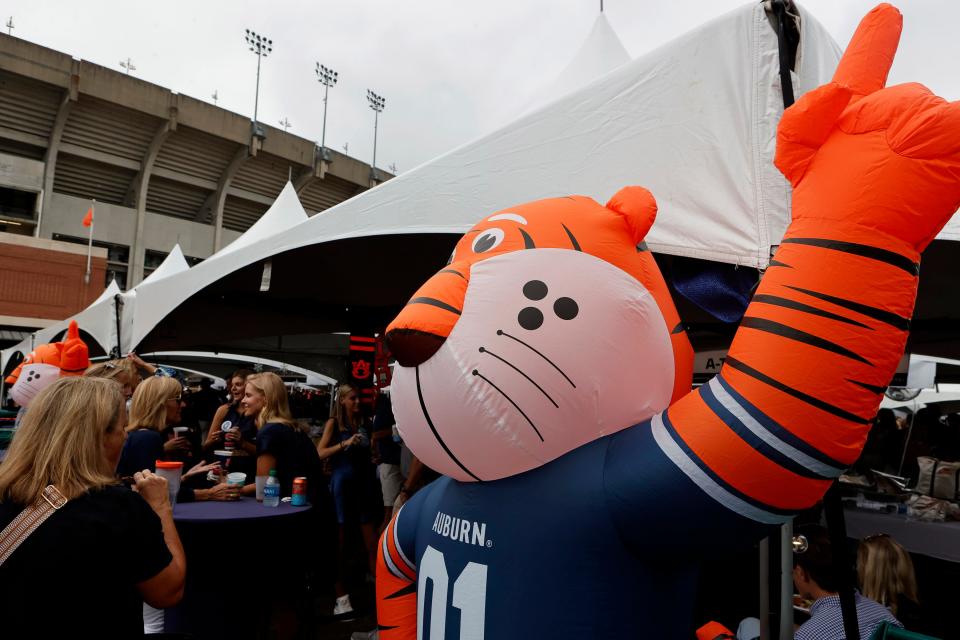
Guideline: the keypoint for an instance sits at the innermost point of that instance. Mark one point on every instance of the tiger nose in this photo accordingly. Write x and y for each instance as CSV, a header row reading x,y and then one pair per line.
x,y
412,347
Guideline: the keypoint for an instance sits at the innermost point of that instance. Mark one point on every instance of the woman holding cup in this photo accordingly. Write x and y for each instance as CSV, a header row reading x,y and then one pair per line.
x,y
105,544
356,492
155,406
233,430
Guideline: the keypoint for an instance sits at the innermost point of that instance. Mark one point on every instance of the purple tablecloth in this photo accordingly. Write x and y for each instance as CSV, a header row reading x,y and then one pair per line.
x,y
243,509
203,528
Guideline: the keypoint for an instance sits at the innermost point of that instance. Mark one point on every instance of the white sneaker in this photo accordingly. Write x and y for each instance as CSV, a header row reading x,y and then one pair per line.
x,y
343,606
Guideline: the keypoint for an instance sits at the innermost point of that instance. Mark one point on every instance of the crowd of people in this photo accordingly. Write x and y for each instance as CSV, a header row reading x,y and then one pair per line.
x,y
98,439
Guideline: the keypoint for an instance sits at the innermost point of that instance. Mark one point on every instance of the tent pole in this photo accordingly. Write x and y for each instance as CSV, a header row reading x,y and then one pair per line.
x,y
764,579
117,306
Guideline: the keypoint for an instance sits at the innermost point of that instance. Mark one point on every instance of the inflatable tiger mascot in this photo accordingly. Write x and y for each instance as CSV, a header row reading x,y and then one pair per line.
x,y
545,372
46,363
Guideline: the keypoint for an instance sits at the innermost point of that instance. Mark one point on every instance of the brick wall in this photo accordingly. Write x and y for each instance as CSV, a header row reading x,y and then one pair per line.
x,y
44,278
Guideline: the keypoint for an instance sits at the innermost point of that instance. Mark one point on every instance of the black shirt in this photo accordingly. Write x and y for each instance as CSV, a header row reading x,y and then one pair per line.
x,y
76,575
141,451
295,454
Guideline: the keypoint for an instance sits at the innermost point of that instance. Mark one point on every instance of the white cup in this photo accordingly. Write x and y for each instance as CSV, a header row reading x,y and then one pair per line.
x,y
171,471
261,483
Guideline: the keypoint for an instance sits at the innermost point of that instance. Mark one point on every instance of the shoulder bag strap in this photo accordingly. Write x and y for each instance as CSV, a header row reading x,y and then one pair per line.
x,y
15,533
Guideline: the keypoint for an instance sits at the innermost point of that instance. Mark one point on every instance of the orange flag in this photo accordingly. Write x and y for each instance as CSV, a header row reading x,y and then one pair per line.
x,y
88,219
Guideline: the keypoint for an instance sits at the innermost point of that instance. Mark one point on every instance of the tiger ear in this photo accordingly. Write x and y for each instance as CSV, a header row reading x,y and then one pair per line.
x,y
638,207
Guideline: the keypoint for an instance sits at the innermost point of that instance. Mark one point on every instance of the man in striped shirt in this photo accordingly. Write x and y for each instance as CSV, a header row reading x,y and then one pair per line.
x,y
815,578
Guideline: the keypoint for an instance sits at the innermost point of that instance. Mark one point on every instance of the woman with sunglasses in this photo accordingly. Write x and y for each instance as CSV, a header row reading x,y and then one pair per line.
x,y
155,407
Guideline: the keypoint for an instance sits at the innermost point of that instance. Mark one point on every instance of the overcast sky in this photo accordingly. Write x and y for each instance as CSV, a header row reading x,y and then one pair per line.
x,y
450,70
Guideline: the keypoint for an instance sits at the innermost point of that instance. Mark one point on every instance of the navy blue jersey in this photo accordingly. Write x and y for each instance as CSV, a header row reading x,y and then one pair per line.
x,y
604,536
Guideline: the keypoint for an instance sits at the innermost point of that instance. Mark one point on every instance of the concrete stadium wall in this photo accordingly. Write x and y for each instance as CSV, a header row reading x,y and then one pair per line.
x,y
117,224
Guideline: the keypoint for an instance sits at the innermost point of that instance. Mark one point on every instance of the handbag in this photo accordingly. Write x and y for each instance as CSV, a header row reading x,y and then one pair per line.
x,y
27,521
938,478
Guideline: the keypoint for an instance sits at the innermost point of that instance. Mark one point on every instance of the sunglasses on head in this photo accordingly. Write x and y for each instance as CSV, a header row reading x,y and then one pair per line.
x,y
874,536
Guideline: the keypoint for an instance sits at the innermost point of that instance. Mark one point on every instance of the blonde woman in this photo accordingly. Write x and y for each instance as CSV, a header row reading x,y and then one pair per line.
x,y
353,483
108,549
282,443
245,438
886,574
156,405
123,371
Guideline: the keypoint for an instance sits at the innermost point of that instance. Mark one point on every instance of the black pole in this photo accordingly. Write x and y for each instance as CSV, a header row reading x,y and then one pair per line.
x,y
843,567
786,83
117,305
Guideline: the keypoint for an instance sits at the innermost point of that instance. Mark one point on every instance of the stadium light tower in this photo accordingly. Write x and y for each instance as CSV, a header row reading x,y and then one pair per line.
x,y
10,26
128,65
285,123
262,47
376,103
328,78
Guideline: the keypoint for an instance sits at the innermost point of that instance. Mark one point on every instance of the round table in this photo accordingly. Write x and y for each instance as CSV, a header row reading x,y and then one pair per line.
x,y
244,509
239,554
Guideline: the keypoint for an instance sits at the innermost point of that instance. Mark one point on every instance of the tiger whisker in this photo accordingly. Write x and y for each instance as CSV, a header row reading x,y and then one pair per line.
x,y
510,400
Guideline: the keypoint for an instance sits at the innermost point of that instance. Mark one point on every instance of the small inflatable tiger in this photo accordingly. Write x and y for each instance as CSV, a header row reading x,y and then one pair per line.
x,y
544,371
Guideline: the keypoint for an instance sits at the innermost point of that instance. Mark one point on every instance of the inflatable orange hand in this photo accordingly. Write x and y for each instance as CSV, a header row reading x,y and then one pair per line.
x,y
883,159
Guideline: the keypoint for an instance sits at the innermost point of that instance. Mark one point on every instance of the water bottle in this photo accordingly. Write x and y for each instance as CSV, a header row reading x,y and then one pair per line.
x,y
271,490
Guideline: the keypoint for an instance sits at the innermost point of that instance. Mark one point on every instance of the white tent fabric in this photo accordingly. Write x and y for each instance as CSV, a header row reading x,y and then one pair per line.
x,y
694,121
952,230
173,263
155,298
314,378
600,53
925,398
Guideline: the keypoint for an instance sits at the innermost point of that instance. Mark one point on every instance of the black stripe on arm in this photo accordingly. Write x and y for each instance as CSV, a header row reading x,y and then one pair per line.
x,y
884,316
746,369
786,331
573,239
433,302
806,308
407,590
863,250
869,387
454,272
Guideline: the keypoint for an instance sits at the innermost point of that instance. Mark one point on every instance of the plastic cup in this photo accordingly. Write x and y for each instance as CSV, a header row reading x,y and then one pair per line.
x,y
237,479
181,432
225,427
172,472
261,483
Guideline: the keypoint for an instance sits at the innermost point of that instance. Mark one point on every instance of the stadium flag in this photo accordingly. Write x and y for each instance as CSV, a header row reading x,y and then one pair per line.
x,y
88,222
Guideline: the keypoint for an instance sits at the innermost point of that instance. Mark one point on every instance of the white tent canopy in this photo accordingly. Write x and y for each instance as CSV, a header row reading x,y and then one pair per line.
x,y
158,297
314,378
695,121
600,53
